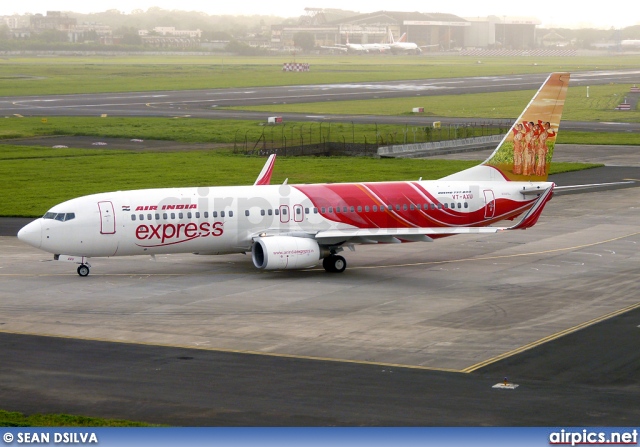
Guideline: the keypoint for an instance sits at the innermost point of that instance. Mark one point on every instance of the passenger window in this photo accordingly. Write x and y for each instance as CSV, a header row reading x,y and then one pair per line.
x,y
397,207
345,209
230,213
149,217
446,206
459,205
133,217
180,216
298,211
315,210
189,215
221,213
173,215
439,206
141,216
366,208
337,209
164,216
197,214
466,205
330,210
276,212
359,209
214,214
306,211
206,214
375,208
323,210
157,216
352,209
404,207
453,206
269,212
262,213
284,211
246,213
412,208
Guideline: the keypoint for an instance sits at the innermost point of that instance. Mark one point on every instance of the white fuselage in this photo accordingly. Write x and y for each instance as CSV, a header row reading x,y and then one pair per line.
x,y
216,220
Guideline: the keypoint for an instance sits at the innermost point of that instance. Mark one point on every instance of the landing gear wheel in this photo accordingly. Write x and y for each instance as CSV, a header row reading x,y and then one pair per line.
x,y
334,264
83,270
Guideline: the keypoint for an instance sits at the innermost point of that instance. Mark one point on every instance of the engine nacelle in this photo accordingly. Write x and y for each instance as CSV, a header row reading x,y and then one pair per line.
x,y
286,253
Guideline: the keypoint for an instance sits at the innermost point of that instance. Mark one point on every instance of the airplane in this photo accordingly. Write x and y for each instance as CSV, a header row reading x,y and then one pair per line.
x,y
288,227
358,47
401,45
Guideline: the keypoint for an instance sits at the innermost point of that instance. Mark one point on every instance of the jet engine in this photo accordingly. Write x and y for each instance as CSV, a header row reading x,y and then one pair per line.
x,y
286,253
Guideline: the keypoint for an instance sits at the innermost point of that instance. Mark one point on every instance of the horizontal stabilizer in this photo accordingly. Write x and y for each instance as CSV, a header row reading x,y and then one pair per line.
x,y
593,186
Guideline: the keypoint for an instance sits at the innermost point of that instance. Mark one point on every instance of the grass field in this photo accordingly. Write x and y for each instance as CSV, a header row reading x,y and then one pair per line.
x,y
66,75
43,177
193,130
15,419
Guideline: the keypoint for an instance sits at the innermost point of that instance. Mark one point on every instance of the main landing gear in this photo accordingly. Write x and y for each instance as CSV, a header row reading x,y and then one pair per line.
x,y
334,263
83,270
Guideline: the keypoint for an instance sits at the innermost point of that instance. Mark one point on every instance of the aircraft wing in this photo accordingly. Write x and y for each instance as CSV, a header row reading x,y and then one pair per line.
x,y
394,235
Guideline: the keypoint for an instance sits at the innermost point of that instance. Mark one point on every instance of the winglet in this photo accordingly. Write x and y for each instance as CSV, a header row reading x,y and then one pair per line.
x,y
264,178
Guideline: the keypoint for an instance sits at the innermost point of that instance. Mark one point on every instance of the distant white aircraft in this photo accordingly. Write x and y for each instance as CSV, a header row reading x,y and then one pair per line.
x,y
401,45
358,47
299,226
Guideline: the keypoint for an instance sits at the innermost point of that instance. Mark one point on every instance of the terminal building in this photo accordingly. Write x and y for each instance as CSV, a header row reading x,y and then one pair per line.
x,y
433,31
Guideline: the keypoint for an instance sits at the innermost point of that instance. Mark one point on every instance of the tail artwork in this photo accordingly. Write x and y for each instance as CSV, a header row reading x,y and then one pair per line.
x,y
525,153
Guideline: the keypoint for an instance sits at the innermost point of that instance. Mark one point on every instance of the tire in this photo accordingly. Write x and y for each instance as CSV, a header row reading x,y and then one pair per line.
x,y
334,264
83,270
339,264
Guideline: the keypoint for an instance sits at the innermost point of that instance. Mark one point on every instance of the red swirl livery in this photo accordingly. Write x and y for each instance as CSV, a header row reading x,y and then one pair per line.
x,y
300,226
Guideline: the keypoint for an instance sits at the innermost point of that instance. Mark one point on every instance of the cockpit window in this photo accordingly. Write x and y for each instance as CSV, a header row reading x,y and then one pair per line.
x,y
62,217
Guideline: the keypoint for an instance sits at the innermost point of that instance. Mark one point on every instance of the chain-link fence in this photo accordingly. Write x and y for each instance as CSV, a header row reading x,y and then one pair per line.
x,y
328,138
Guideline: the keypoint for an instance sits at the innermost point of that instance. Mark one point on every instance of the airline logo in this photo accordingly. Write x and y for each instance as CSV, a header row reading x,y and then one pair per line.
x,y
162,235
179,206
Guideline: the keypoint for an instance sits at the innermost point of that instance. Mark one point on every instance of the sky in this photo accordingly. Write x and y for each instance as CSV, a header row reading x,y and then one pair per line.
x,y
608,14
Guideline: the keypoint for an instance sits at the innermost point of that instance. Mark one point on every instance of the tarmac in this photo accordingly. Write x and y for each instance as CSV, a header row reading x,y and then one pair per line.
x,y
411,335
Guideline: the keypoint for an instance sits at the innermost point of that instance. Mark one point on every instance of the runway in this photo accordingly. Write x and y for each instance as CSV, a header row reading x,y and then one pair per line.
x,y
210,103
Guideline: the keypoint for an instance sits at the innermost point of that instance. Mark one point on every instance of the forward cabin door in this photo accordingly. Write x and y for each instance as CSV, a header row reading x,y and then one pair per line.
x,y
489,204
107,218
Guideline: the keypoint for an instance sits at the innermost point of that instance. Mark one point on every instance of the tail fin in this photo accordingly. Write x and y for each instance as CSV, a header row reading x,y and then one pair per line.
x,y
525,153
403,38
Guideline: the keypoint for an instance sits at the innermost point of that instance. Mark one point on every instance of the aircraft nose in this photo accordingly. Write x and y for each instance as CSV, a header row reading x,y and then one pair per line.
x,y
31,233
